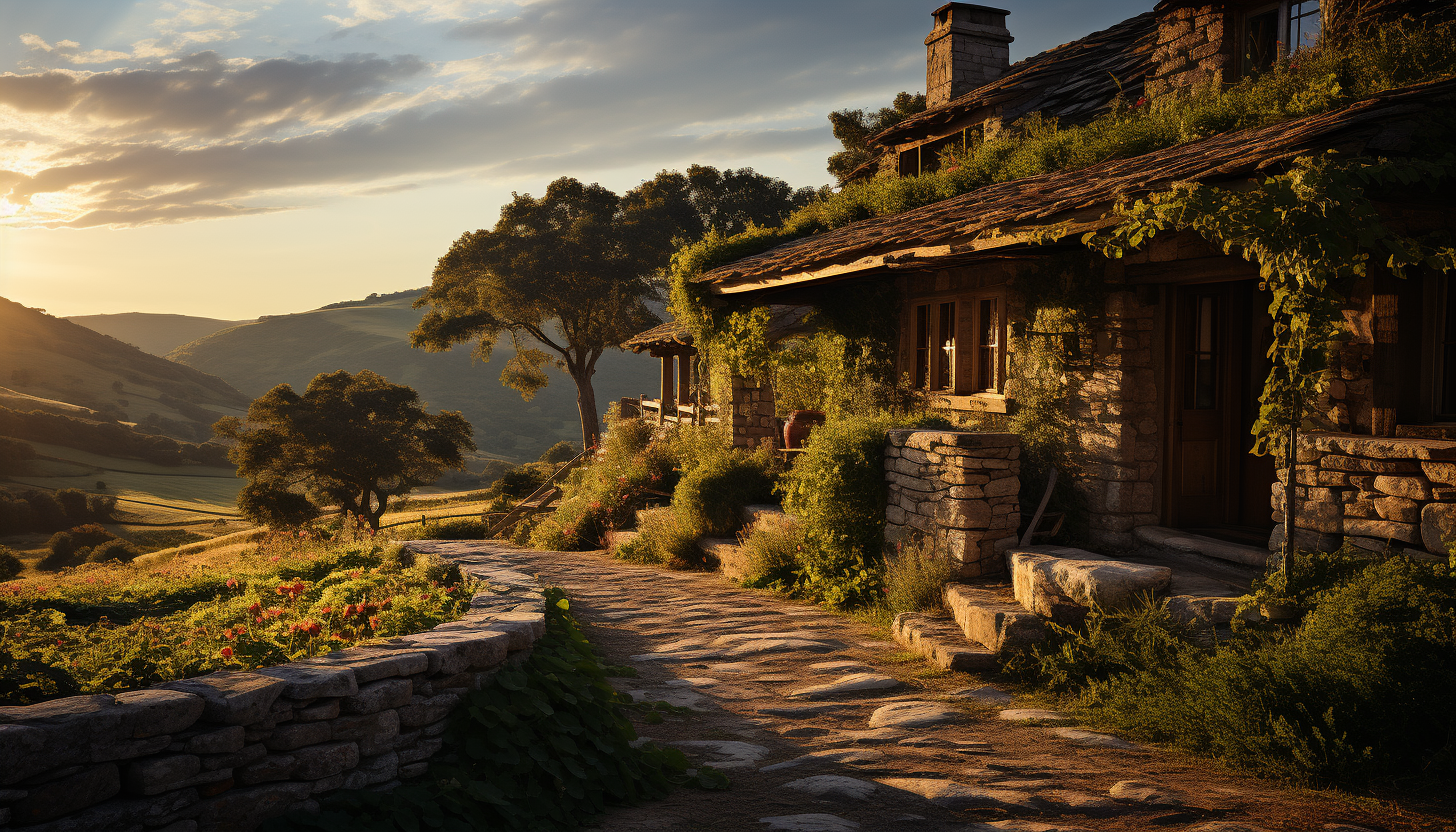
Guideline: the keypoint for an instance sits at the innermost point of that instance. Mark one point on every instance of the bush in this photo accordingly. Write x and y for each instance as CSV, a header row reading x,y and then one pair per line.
x,y
663,538
71,547
916,575
15,456
519,483
1363,689
10,565
44,511
460,528
562,451
112,551
709,499
773,552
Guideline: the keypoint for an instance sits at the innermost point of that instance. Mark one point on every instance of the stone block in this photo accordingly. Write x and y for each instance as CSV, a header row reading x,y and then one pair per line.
x,y
66,795
1438,527
297,735
990,621
384,724
1352,464
377,696
243,756
159,774
422,710
1414,488
320,761
271,768
1321,517
327,709
421,750
232,697
307,681
1383,530
963,514
246,808
373,662
222,741
1442,472
1399,509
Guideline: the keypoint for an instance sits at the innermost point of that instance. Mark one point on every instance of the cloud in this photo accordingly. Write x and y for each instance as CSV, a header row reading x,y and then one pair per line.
x,y
559,87
375,11
193,24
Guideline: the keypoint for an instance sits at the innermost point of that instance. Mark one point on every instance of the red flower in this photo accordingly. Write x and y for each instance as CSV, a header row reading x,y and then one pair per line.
x,y
255,609
314,628
227,652
326,611
232,583
373,621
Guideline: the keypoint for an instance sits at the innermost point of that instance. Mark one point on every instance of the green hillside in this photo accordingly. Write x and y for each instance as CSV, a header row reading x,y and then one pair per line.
x,y
374,334
47,363
154,333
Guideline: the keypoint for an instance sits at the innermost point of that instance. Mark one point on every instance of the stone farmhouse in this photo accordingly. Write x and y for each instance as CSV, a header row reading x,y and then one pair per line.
x,y
1171,380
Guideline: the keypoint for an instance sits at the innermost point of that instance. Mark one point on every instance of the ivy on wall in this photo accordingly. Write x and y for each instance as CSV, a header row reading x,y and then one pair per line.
x,y
1313,231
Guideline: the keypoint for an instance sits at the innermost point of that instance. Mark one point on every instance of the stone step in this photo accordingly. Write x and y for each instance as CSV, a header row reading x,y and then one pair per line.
x,y
643,514
940,641
620,537
762,511
1062,583
1179,541
989,615
729,557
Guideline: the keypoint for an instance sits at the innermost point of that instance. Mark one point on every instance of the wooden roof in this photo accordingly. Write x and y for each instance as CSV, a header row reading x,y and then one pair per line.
x,y
1022,211
784,321
1073,82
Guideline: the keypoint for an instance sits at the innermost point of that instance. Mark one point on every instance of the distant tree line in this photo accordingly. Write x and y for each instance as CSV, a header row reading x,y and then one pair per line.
x,y
112,440
33,510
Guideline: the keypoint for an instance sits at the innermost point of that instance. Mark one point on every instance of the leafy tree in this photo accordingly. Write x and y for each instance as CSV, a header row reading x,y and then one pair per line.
x,y
569,275
853,128
353,441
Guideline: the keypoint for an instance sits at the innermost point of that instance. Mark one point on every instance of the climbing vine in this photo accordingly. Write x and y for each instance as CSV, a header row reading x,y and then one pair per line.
x,y
1313,231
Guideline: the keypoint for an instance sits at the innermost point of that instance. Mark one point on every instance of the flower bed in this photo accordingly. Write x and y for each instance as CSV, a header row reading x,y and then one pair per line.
x,y
118,628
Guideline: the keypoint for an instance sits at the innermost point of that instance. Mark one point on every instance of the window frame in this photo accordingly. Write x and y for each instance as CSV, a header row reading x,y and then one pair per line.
x,y
964,362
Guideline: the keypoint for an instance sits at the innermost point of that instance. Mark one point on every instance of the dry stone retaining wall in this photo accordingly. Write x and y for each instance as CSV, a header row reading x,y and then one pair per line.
x,y
227,750
963,485
753,413
1371,491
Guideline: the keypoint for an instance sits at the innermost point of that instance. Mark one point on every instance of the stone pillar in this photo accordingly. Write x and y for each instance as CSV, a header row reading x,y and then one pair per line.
x,y
963,485
968,47
753,413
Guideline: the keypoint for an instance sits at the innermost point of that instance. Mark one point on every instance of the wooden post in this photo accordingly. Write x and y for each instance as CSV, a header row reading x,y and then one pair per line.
x,y
684,378
1289,497
1385,360
667,395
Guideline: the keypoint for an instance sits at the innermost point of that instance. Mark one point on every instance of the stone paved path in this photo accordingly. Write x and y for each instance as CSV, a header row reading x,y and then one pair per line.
x,y
824,724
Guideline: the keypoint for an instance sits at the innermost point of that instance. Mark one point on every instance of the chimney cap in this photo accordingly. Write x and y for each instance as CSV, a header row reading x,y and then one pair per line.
x,y
970,7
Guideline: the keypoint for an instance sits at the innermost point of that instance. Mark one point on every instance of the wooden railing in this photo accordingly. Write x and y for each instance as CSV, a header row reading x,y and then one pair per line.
x,y
677,413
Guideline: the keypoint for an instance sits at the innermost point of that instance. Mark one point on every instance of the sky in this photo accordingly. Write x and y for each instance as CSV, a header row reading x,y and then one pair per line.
x,y
235,159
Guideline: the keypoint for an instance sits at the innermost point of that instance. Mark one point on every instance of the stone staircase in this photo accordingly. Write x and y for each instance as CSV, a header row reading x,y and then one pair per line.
x,y
722,552
985,620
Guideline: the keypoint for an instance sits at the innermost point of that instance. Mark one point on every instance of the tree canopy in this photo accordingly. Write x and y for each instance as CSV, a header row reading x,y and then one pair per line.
x,y
854,127
570,274
353,441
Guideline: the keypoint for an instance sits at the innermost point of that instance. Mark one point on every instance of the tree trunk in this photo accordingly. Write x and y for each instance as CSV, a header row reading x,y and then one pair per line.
x,y
586,405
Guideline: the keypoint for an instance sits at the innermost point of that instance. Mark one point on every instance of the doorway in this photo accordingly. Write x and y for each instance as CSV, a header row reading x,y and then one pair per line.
x,y
1220,335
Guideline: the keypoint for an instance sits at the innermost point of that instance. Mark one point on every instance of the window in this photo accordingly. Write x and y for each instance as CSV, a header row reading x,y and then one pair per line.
x,y
1261,39
940,327
1201,390
1304,25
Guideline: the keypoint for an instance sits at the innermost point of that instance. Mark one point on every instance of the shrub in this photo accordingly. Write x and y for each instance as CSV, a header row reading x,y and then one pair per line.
x,y
518,483
1363,689
562,451
773,552
709,499
10,565
663,538
15,456
73,546
112,550
459,528
916,574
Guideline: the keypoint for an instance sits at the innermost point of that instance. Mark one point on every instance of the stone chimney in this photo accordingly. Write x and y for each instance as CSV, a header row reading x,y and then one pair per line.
x,y
969,47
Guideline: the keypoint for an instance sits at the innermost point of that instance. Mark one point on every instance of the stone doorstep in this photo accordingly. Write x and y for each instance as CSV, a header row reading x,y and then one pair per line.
x,y
989,615
727,555
1179,541
940,641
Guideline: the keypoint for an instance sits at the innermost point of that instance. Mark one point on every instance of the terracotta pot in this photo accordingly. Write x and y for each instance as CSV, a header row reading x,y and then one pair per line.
x,y
797,428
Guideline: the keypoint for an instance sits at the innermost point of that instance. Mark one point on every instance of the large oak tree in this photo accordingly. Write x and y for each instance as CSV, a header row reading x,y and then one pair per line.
x,y
569,275
353,441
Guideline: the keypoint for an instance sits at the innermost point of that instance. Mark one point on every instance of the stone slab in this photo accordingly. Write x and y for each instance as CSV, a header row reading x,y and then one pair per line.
x,y
941,643
990,616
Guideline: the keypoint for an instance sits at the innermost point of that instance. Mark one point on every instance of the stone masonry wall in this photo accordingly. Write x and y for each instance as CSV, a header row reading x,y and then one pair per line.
x,y
1193,48
960,484
753,413
1116,415
227,750
1372,492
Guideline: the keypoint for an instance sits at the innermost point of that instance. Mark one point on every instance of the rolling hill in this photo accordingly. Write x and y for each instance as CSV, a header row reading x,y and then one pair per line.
x,y
374,334
154,333
47,363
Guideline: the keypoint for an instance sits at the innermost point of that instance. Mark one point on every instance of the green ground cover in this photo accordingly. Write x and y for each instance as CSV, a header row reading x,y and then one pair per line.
x,y
118,627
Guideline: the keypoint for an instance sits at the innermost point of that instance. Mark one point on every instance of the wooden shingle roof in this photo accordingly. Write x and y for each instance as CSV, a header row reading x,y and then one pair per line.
x,y
784,321
1016,213
1073,82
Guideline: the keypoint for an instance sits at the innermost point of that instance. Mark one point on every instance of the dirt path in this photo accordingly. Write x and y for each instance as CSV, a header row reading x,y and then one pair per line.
x,y
753,680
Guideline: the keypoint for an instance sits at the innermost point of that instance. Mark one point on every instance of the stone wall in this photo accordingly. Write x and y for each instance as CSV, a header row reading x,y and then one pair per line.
x,y
1371,491
1116,413
227,750
1195,47
753,413
959,484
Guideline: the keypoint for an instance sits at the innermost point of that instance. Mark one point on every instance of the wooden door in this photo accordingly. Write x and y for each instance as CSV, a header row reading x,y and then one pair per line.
x,y
1220,336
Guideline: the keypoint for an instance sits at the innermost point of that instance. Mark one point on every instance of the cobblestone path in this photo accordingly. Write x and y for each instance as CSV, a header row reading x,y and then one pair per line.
x,y
823,723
